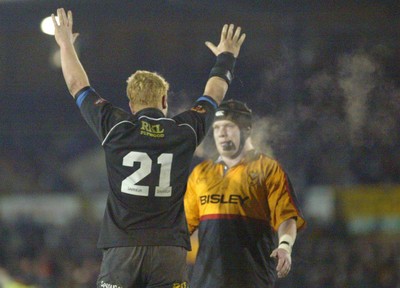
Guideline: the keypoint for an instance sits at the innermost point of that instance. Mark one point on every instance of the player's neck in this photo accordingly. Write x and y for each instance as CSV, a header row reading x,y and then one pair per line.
x,y
229,162
137,107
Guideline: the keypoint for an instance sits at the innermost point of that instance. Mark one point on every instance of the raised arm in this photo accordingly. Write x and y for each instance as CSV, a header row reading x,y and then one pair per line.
x,y
227,51
73,71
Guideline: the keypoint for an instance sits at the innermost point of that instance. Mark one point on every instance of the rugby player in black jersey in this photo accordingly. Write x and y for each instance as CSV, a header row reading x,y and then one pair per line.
x,y
144,235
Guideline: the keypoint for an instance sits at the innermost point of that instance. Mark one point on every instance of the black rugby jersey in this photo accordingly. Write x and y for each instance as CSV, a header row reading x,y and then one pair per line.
x,y
148,158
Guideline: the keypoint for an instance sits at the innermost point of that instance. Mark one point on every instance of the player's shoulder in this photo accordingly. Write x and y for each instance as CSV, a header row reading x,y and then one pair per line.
x,y
264,160
267,158
255,155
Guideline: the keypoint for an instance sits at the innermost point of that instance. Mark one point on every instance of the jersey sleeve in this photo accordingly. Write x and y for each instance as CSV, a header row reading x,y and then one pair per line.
x,y
191,203
100,115
282,200
200,117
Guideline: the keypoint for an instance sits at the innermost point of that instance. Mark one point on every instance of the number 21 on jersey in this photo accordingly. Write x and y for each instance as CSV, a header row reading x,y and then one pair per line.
x,y
129,184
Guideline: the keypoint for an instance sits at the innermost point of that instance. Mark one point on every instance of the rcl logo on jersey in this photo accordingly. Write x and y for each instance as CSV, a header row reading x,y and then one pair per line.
x,y
223,199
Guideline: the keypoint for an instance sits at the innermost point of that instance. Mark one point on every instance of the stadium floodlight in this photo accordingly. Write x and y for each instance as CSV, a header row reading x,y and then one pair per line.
x,y
47,25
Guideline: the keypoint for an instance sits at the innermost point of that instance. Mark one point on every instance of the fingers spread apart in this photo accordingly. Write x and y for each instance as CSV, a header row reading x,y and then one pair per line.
x,y
229,33
64,19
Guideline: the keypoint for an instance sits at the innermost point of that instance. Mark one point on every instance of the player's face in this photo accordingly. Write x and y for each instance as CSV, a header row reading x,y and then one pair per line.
x,y
226,137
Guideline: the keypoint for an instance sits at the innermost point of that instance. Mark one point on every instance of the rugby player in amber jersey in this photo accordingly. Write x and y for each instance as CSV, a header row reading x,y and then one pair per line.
x,y
144,235
241,204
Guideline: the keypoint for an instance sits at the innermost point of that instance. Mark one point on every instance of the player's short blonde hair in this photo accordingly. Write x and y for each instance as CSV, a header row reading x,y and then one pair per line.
x,y
146,88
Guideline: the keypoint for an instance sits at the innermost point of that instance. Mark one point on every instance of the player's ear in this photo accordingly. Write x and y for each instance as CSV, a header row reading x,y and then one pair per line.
x,y
131,107
164,102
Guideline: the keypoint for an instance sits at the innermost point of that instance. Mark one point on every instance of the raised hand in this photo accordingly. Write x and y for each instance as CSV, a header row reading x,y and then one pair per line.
x,y
231,41
63,28
73,71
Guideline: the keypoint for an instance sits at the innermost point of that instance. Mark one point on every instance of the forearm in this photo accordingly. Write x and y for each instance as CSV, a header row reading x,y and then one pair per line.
x,y
220,77
287,233
73,71
216,88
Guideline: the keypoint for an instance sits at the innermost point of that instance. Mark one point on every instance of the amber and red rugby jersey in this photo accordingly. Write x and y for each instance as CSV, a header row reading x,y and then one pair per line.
x,y
237,212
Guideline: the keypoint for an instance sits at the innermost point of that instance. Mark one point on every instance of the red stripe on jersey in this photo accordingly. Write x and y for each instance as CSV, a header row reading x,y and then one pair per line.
x,y
227,216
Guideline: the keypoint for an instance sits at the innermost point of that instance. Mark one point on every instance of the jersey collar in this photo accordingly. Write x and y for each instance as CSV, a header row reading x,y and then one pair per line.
x,y
150,112
249,156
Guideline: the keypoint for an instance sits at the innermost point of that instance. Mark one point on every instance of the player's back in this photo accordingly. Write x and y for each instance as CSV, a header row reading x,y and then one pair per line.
x,y
148,162
148,158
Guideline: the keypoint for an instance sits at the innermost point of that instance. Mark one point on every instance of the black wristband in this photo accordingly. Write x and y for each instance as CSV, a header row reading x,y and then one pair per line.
x,y
284,242
224,67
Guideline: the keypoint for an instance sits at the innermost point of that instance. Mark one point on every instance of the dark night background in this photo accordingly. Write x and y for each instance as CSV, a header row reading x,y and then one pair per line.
x,y
322,78
326,76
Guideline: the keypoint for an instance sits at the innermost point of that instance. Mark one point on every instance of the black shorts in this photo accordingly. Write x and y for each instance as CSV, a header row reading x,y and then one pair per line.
x,y
143,267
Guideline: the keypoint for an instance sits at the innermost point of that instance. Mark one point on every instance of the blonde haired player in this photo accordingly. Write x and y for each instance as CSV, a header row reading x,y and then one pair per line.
x,y
147,89
144,236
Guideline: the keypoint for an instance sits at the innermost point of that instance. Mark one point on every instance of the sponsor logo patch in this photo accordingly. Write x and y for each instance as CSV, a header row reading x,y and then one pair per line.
x,y
108,285
223,199
220,113
199,109
100,101
155,130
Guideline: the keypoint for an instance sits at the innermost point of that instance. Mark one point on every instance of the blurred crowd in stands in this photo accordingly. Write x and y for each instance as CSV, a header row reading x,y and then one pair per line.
x,y
44,256
33,255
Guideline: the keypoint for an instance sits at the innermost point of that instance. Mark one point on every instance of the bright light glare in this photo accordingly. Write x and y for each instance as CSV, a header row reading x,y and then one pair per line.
x,y
47,25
